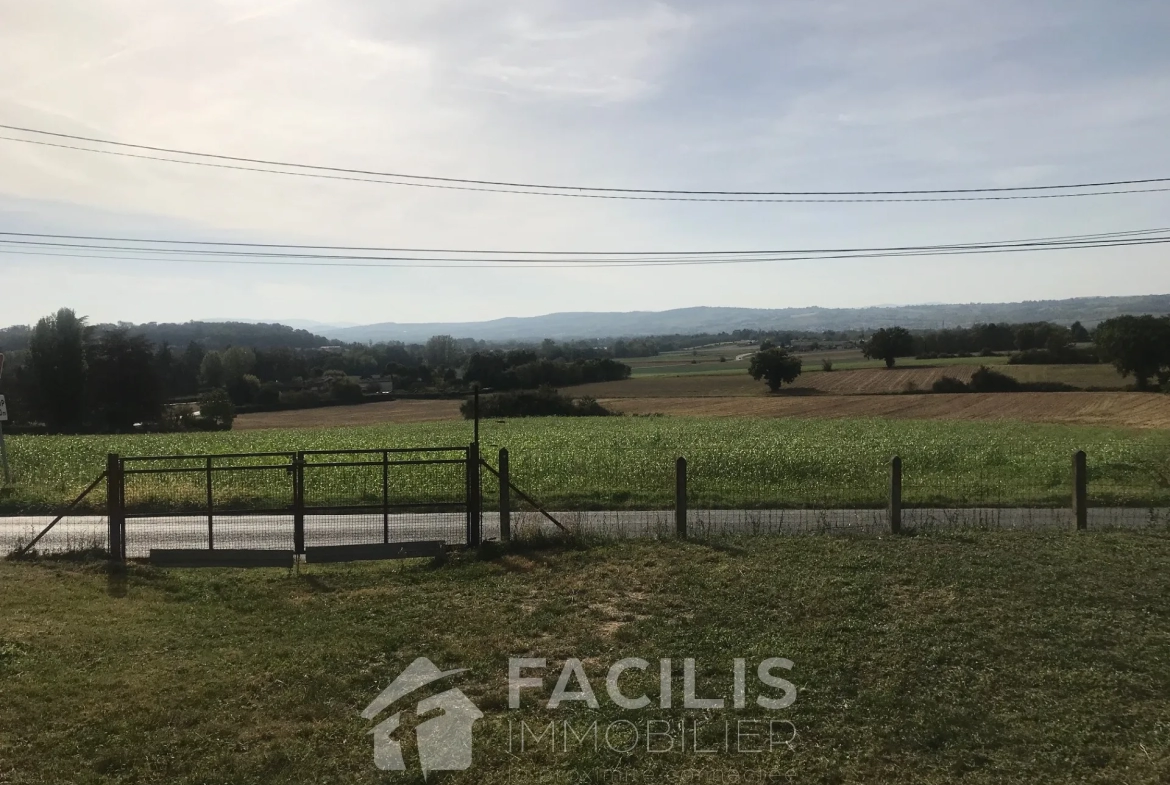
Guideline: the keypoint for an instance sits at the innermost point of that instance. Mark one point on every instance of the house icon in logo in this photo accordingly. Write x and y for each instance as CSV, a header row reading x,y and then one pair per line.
x,y
444,742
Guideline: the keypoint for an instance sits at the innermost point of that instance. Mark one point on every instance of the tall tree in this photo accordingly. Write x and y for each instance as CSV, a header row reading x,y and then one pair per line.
x,y
1137,346
888,344
775,367
442,351
57,369
124,384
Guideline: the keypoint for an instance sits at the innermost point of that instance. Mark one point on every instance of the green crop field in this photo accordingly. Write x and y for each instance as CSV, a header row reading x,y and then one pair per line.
x,y
628,462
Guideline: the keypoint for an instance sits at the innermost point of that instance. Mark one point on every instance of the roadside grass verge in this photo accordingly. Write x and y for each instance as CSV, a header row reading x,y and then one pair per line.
x,y
984,658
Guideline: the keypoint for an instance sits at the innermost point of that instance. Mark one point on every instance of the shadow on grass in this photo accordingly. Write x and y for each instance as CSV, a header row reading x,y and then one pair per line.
x,y
531,547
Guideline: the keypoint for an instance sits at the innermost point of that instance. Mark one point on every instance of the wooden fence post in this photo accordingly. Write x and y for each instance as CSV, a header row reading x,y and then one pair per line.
x,y
895,511
505,498
1080,490
115,507
680,497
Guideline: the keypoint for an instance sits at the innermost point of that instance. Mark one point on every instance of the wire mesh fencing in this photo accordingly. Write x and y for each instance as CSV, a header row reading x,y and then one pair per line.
x,y
208,501
359,497
771,499
607,492
1126,491
293,500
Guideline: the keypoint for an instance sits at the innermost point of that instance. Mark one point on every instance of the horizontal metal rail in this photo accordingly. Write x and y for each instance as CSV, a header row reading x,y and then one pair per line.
x,y
204,457
201,512
203,469
386,449
341,509
427,462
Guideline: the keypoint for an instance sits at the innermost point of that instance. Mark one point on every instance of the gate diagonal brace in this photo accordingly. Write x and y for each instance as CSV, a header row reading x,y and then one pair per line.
x,y
64,512
526,498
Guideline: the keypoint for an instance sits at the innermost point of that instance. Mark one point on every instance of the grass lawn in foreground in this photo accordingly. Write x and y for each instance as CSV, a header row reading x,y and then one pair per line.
x,y
995,658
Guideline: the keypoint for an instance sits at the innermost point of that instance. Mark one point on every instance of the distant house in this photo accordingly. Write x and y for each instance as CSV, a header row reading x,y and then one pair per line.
x,y
332,349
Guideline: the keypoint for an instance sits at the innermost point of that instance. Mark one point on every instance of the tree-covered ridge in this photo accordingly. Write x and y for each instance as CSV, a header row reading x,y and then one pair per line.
x,y
209,335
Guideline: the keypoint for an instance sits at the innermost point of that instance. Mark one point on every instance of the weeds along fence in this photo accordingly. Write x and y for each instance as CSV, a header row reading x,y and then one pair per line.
x,y
638,492
290,501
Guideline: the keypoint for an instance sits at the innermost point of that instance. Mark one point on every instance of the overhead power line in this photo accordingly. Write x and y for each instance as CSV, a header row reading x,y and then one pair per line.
x,y
41,237
1068,190
432,259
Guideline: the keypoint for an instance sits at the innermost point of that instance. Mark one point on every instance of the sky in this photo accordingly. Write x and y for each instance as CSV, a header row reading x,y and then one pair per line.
x,y
736,95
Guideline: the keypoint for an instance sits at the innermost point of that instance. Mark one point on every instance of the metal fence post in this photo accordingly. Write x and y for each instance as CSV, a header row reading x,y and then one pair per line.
x,y
895,511
474,506
210,509
298,468
680,497
116,507
1080,490
505,498
385,497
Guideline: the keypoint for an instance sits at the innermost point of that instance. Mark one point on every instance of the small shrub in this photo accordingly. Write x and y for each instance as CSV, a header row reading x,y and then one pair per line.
x,y
217,409
346,390
269,395
544,402
988,380
300,399
949,384
826,364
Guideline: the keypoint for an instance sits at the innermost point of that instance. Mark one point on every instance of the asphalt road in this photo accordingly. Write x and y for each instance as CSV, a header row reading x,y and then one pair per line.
x,y
276,531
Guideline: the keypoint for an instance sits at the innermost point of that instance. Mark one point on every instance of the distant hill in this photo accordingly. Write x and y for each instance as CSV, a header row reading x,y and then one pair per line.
x,y
1088,310
562,326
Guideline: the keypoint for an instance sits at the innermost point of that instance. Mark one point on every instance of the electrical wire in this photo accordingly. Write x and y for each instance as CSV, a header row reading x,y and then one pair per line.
x,y
147,245
376,262
592,192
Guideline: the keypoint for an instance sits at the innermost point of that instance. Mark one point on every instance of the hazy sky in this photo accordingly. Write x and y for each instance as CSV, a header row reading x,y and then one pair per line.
x,y
776,95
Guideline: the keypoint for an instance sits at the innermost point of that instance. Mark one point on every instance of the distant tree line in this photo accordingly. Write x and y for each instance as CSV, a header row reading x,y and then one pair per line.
x,y
525,369
71,376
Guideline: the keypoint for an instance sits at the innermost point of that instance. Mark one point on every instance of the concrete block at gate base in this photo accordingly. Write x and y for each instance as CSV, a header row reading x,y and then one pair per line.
x,y
393,550
192,557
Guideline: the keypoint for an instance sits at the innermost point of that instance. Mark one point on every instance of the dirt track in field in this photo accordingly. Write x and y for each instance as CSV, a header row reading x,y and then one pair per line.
x,y
1121,409
342,416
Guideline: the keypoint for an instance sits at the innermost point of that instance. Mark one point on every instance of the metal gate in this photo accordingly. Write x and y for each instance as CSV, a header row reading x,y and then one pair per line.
x,y
293,502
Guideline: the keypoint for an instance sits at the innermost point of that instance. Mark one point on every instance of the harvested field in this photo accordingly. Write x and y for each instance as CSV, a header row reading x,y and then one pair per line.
x,y
1120,409
844,382
341,416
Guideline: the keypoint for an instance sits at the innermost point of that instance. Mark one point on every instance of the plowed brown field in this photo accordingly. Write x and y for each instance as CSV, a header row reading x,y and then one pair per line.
x,y
1126,410
341,416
